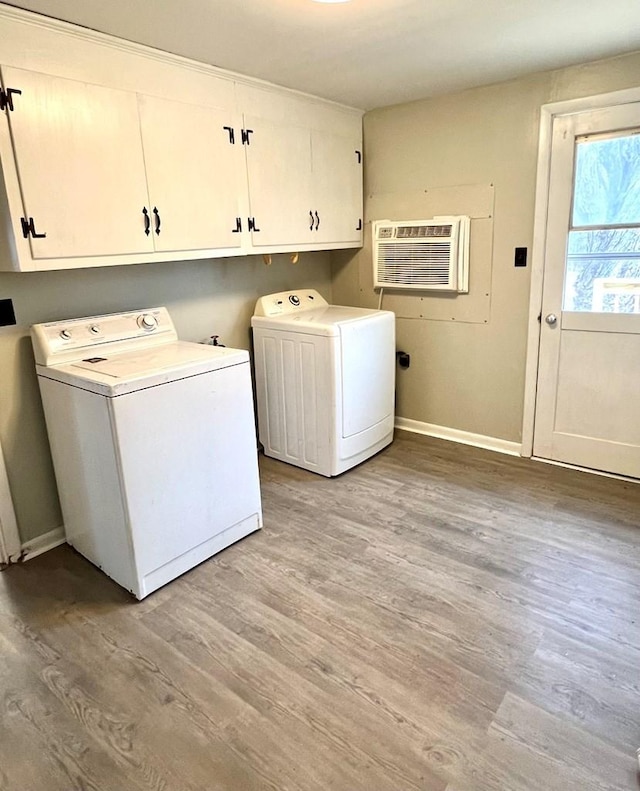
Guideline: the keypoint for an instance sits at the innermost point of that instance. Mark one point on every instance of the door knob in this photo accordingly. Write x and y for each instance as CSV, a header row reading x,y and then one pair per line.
x,y
551,319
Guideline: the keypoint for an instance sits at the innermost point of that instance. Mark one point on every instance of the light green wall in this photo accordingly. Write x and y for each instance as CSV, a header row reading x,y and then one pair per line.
x,y
469,376
203,297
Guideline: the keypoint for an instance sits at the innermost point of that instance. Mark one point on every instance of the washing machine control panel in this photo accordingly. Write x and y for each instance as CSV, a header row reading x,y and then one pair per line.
x,y
59,342
286,302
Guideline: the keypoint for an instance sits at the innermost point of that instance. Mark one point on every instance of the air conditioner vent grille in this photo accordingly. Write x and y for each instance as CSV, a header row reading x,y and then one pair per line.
x,y
422,255
414,264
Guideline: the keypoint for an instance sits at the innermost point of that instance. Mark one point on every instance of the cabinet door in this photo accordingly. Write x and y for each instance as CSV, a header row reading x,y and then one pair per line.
x,y
279,171
194,174
79,160
337,186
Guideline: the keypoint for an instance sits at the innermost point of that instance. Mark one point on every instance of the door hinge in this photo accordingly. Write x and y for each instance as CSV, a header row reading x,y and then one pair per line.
x,y
245,137
6,98
29,229
232,134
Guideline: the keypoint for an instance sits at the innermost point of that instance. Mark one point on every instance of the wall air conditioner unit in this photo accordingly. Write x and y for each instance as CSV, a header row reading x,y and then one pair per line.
x,y
422,255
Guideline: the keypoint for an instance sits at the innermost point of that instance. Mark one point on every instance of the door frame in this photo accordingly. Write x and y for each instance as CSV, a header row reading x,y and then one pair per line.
x,y
10,546
548,112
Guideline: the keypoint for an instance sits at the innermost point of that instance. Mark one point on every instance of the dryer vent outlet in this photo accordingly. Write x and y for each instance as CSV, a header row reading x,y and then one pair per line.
x,y
404,359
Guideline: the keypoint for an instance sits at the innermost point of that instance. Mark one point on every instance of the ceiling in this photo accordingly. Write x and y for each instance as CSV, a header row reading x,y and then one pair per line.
x,y
369,53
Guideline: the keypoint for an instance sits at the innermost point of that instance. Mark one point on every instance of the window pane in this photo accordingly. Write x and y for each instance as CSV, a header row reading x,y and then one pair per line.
x,y
607,182
603,271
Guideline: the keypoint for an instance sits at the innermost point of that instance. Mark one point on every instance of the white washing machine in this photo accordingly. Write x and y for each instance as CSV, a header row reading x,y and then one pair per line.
x,y
325,380
153,443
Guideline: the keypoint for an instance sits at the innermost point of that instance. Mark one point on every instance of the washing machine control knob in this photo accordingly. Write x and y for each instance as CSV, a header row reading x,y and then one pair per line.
x,y
65,334
94,329
294,299
147,321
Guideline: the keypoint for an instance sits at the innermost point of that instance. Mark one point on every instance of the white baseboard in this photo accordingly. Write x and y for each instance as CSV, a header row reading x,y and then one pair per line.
x,y
463,437
36,546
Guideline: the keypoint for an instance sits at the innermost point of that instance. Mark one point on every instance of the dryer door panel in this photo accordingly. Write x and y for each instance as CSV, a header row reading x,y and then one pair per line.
x,y
368,372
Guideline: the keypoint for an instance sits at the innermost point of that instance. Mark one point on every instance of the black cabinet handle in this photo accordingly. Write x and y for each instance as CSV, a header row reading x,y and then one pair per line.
x,y
317,220
252,225
310,220
359,155
157,216
245,137
147,221
359,228
232,134
238,228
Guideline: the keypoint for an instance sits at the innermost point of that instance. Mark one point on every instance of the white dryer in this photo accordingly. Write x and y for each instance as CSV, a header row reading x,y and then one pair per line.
x,y
153,443
325,380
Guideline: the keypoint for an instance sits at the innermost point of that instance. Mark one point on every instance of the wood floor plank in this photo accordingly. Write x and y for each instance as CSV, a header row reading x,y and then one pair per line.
x,y
319,722
441,616
526,748
385,685
44,746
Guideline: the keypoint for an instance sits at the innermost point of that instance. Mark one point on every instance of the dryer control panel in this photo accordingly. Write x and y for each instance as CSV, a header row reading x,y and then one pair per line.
x,y
286,302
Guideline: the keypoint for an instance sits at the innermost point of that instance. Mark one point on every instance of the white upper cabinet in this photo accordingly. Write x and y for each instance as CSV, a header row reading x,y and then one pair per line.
x,y
113,154
195,167
305,185
337,186
278,159
80,165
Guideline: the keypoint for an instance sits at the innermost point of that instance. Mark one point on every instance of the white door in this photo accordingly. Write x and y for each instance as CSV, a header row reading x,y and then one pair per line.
x,y
79,158
588,398
279,171
337,186
195,165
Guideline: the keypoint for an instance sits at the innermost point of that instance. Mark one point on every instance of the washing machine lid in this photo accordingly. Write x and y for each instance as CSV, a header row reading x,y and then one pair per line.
x,y
326,320
125,372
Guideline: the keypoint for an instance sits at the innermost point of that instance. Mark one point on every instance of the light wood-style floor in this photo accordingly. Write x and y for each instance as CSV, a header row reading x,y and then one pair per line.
x,y
439,618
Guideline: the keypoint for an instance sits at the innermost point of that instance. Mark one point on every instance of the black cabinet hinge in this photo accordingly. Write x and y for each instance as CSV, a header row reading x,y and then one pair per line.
x,y
232,134
245,137
359,155
29,229
6,98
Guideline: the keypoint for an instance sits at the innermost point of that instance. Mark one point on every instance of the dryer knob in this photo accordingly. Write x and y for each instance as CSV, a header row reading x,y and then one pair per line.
x,y
294,299
65,334
147,321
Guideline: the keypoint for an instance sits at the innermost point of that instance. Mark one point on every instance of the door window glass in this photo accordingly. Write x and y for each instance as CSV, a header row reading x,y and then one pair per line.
x,y
603,250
